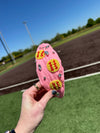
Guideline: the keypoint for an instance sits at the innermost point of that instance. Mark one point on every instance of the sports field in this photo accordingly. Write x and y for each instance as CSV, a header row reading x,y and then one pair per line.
x,y
77,112
79,52
9,66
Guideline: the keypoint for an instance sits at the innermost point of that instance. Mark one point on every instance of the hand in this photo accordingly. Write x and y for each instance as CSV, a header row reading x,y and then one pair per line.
x,y
32,111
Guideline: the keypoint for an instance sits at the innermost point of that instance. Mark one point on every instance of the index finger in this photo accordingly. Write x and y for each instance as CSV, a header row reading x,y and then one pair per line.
x,y
33,89
44,100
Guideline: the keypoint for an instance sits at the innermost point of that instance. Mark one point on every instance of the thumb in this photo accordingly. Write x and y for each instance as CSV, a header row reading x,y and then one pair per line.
x,y
44,100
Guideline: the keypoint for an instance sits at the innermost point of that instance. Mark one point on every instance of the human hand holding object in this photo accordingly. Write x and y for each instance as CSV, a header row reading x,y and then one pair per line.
x,y
32,111
51,75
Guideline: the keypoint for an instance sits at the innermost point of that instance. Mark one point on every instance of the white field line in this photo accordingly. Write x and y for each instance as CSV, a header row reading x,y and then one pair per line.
x,y
80,77
22,83
15,85
85,76
73,69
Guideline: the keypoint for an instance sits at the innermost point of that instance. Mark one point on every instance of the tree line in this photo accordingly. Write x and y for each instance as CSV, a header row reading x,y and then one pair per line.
x,y
18,54
58,37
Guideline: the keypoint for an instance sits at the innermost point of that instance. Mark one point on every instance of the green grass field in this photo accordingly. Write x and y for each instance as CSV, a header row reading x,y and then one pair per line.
x,y
9,66
77,112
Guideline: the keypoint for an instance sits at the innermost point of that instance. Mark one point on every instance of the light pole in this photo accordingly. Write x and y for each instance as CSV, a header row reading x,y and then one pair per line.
x,y
6,48
28,31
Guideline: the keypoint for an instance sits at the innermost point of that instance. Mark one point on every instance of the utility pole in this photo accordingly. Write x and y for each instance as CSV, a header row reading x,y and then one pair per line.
x,y
6,48
28,32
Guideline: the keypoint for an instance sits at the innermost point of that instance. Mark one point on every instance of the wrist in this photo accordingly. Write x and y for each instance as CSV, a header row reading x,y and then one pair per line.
x,y
20,129
12,131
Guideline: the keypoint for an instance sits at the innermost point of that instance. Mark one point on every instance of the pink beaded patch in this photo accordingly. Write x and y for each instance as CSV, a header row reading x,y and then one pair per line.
x,y
49,69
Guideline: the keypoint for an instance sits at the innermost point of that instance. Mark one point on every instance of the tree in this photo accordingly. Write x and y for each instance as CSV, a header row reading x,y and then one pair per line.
x,y
27,50
79,28
58,37
90,22
45,41
52,40
74,31
16,53
6,58
34,47
3,58
97,21
83,27
69,33
64,35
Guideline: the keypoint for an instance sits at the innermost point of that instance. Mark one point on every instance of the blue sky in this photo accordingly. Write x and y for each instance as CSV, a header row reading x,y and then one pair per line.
x,y
44,19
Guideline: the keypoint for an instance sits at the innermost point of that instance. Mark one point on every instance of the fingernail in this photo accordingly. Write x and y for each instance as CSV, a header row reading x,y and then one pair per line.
x,y
54,92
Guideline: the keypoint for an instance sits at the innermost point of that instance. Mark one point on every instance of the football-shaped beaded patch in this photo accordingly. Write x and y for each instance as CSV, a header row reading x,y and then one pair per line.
x,y
53,65
55,84
40,54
